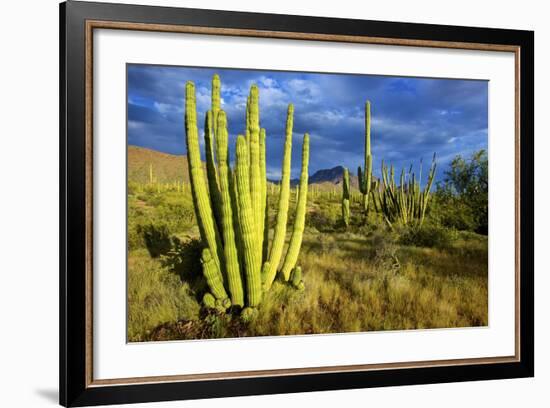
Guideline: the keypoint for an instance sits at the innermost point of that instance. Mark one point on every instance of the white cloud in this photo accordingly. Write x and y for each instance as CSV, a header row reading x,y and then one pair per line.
x,y
308,90
164,108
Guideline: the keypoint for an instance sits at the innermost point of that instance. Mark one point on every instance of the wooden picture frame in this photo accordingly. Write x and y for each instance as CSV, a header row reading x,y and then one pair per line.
x,y
78,20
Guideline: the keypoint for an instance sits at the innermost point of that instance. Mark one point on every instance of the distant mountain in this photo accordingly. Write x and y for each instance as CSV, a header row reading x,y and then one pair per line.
x,y
327,177
334,175
168,168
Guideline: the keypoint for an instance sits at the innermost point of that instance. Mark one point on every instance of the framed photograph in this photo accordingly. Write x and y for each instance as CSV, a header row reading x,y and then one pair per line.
x,y
256,204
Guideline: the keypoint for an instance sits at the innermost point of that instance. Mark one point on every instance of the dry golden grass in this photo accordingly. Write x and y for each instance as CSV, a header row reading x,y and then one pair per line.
x,y
347,289
351,285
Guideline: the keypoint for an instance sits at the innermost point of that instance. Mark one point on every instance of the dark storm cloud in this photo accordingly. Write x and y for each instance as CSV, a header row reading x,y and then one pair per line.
x,y
411,117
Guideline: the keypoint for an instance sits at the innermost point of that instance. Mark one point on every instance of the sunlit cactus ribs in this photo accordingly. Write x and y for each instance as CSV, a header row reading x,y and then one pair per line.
x,y
227,213
270,269
231,205
299,222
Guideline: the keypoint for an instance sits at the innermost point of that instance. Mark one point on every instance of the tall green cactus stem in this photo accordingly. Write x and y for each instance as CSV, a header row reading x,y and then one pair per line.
x,y
299,222
216,101
228,233
263,218
265,246
253,126
425,195
278,242
249,234
213,277
365,175
211,171
205,219
345,197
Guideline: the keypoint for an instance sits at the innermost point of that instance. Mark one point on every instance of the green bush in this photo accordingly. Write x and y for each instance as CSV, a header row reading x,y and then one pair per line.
x,y
320,220
452,212
429,235
385,249
184,257
156,238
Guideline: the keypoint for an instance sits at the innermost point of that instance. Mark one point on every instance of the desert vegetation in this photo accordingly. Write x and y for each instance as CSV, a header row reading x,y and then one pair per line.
x,y
216,250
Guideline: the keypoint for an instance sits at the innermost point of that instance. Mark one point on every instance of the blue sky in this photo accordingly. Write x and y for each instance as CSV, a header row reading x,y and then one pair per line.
x,y
411,117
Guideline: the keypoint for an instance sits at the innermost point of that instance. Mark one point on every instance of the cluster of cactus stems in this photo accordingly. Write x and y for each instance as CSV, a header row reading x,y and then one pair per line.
x,y
405,202
365,175
231,205
345,197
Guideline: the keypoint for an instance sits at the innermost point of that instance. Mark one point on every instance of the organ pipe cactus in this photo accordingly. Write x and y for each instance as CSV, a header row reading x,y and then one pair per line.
x,y
365,174
211,172
282,209
299,222
345,197
227,228
253,127
213,278
405,202
203,209
247,226
263,217
216,102
231,209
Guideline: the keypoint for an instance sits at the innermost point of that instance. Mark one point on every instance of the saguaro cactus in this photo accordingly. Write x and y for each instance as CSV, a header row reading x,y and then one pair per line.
x,y
345,197
299,222
365,175
233,215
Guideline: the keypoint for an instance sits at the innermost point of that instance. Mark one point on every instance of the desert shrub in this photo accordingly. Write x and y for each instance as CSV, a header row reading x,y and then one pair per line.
x,y
428,235
323,219
385,244
135,238
452,212
183,258
464,193
134,188
156,238
178,216
155,199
